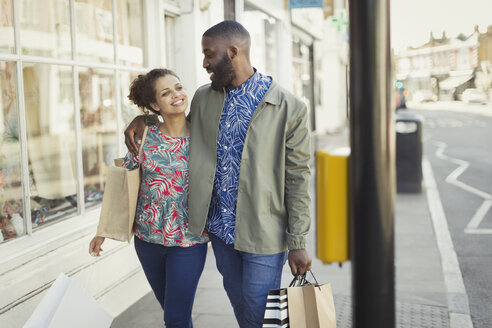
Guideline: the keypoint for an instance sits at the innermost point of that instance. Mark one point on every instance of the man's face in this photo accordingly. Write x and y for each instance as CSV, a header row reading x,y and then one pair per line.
x,y
217,63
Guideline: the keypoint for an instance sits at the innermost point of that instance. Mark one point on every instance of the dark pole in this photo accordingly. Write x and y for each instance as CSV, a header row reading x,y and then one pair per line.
x,y
372,184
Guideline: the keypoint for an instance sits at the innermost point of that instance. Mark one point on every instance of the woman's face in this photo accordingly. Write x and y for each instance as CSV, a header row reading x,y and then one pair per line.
x,y
170,97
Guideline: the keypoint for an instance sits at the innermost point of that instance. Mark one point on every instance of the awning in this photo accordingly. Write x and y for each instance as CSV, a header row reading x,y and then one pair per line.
x,y
454,82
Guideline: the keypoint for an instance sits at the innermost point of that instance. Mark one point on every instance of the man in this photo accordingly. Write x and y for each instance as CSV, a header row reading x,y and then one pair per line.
x,y
249,173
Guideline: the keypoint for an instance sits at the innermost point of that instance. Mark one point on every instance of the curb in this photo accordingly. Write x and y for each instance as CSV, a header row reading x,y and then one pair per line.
x,y
458,306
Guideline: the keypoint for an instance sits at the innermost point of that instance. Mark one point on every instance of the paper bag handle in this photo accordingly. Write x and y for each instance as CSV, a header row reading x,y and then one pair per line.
x,y
139,158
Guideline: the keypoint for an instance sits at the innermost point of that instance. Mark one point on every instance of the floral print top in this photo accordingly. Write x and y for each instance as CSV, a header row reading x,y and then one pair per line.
x,y
162,209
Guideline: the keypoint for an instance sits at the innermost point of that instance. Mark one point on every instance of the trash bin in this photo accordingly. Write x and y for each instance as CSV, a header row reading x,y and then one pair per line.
x,y
408,153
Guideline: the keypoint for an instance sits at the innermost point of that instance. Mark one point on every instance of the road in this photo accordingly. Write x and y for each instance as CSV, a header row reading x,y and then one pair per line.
x,y
458,145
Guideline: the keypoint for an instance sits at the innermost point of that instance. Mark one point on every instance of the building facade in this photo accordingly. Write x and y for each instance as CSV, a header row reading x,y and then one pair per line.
x,y
440,69
484,70
65,71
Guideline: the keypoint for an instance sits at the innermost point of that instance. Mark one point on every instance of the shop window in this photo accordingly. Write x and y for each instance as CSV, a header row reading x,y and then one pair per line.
x,y
50,142
170,26
130,32
45,28
261,28
6,27
51,168
229,10
99,131
128,109
302,74
94,30
12,223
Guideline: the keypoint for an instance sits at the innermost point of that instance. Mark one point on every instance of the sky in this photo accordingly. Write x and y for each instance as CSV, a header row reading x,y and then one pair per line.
x,y
413,20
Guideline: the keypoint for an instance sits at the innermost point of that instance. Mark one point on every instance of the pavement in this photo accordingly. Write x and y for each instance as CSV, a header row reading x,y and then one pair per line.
x,y
423,290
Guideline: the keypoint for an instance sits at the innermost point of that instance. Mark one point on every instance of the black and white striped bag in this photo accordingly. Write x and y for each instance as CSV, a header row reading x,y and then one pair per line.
x,y
276,311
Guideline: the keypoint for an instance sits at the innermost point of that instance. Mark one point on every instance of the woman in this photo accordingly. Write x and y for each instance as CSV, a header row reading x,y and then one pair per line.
x,y
172,258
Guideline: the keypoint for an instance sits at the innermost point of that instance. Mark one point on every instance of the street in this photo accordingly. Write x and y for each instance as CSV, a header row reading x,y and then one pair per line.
x,y
458,145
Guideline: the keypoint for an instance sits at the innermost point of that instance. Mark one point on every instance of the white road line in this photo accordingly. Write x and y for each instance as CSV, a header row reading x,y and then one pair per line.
x,y
480,214
458,306
452,178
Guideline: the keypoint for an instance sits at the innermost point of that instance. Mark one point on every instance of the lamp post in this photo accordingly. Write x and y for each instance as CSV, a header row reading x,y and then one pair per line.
x,y
372,170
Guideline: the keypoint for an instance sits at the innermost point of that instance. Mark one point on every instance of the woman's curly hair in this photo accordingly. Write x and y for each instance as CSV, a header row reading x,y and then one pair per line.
x,y
142,91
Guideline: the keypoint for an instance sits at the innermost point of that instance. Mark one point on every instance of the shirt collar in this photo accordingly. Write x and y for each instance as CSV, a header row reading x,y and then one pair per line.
x,y
246,85
272,95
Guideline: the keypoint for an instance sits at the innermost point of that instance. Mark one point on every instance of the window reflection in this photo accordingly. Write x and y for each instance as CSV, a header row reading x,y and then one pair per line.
x,y
303,80
94,30
128,109
98,121
50,141
45,28
130,29
6,27
12,224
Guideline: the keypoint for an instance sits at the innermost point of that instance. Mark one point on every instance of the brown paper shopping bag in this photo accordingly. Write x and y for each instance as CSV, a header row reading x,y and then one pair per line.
x,y
120,200
311,306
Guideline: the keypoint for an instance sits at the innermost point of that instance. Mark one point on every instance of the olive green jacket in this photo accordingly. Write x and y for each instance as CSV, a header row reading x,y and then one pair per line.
x,y
273,202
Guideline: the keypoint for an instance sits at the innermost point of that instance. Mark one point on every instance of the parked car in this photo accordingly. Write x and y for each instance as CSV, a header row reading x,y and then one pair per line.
x,y
474,95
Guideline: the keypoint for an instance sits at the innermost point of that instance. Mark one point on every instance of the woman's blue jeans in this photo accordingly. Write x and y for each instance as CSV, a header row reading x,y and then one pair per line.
x,y
247,278
173,274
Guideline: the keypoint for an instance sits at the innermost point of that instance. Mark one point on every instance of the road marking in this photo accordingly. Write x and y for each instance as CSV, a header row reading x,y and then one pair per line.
x,y
452,178
458,306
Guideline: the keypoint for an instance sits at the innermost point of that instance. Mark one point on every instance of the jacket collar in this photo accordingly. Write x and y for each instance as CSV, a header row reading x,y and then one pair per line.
x,y
273,95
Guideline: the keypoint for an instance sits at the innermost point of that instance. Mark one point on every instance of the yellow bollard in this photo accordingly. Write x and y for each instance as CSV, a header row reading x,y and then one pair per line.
x,y
332,230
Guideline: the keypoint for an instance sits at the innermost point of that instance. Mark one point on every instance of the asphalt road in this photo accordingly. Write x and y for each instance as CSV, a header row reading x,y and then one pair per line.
x,y
458,145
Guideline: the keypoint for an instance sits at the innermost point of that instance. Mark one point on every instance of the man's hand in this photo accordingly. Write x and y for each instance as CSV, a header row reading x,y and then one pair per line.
x,y
136,127
299,261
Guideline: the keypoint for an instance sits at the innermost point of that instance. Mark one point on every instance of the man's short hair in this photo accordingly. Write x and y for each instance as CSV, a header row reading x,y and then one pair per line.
x,y
229,30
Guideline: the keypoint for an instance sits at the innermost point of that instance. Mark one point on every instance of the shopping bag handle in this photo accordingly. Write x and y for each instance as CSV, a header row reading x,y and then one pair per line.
x,y
301,280
139,156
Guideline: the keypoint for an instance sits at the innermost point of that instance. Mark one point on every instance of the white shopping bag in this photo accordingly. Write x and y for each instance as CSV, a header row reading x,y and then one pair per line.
x,y
68,304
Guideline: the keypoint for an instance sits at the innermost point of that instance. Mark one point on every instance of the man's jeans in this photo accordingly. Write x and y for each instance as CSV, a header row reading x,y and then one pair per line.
x,y
247,278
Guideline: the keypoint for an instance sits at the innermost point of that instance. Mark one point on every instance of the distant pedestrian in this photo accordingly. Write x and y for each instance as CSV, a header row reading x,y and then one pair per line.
x,y
249,172
172,258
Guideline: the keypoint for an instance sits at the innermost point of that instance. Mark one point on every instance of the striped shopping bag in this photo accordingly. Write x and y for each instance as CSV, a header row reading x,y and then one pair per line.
x,y
276,311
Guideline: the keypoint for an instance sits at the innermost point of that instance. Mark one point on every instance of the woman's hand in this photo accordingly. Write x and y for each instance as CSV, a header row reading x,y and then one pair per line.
x,y
95,246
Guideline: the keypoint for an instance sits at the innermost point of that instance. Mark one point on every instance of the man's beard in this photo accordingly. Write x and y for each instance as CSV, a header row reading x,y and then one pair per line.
x,y
223,73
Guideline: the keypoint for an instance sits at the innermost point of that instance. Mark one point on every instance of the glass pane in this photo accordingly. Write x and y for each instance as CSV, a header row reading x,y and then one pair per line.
x,y
94,30
130,32
128,109
45,28
99,135
170,29
261,28
6,27
50,141
12,223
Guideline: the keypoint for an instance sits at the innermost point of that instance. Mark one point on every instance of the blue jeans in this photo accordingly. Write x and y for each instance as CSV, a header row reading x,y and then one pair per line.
x,y
173,274
247,278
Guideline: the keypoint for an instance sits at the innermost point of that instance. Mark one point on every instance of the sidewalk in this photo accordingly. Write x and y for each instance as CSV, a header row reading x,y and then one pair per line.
x,y
420,289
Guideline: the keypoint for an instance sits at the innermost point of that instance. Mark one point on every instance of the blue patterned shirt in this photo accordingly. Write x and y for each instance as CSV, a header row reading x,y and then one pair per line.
x,y
240,104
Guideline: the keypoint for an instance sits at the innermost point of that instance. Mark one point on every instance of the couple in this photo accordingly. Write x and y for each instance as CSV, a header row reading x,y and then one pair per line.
x,y
248,181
